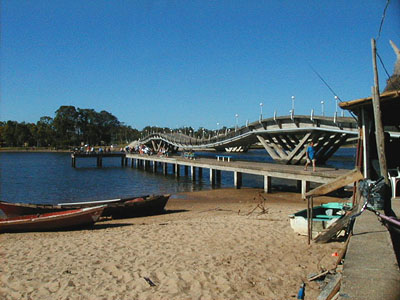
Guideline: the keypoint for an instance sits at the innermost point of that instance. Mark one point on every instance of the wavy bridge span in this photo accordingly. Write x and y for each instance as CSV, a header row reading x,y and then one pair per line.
x,y
284,138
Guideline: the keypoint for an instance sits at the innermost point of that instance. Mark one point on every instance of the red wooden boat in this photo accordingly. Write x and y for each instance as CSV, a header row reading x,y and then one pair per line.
x,y
68,219
116,208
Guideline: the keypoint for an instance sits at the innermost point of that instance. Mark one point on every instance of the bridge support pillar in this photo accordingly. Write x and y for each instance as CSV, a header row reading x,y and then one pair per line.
x,y
218,175
146,164
193,172
186,170
177,170
165,168
154,166
200,172
299,185
237,179
73,162
267,184
212,177
305,187
100,161
132,162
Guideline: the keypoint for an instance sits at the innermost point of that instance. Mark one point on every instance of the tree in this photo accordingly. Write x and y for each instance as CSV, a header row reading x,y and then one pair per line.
x,y
45,132
108,124
65,126
22,134
8,134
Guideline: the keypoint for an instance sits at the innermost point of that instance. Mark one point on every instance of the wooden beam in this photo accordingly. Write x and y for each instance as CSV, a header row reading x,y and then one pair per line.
x,y
325,149
289,143
346,179
328,233
321,142
154,145
282,143
334,148
379,132
270,151
299,146
331,288
278,148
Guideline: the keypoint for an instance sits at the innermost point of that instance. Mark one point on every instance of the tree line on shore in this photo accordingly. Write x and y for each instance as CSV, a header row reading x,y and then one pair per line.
x,y
73,127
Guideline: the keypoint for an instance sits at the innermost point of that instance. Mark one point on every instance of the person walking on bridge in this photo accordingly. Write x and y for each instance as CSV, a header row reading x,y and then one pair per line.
x,y
310,155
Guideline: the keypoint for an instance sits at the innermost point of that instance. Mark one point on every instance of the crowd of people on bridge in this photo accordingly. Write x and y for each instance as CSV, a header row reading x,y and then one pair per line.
x,y
87,149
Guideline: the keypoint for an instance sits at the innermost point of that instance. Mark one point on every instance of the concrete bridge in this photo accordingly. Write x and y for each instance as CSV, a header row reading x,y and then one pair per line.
x,y
284,138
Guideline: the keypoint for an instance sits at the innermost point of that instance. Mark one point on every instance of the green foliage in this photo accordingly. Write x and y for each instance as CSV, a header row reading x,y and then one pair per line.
x,y
70,127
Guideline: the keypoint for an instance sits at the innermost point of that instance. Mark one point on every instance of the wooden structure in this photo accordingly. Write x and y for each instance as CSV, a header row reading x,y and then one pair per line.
x,y
267,170
99,157
284,138
389,108
373,253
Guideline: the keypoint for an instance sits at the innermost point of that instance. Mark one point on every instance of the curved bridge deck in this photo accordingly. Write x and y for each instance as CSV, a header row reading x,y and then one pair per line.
x,y
284,138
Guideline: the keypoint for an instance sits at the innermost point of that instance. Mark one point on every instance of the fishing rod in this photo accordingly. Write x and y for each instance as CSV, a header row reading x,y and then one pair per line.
x,y
328,86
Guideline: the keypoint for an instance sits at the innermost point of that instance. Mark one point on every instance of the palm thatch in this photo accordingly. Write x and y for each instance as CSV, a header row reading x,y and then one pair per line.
x,y
393,83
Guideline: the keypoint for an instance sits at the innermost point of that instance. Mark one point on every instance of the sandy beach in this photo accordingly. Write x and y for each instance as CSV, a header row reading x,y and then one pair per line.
x,y
209,245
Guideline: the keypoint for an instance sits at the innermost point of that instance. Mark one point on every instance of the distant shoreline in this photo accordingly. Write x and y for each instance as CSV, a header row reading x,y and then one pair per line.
x,y
31,149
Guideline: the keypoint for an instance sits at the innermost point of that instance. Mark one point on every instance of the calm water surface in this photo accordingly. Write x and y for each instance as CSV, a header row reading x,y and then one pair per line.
x,y
49,177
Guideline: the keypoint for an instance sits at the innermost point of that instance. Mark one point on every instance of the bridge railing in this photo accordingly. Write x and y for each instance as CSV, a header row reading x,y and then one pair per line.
x,y
225,137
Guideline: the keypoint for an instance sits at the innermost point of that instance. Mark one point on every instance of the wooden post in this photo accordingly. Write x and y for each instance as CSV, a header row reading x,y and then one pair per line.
x,y
237,179
177,170
310,204
212,177
365,141
379,132
305,187
165,168
298,186
154,166
99,161
193,172
218,175
267,184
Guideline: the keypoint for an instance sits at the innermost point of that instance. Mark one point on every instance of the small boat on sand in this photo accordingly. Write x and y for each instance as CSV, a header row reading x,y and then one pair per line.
x,y
68,219
324,216
116,208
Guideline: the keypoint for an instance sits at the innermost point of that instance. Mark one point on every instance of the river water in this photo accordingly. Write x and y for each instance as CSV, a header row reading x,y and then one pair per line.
x,y
49,178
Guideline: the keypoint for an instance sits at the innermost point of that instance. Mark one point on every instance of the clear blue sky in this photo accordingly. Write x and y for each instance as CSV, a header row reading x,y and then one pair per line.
x,y
189,63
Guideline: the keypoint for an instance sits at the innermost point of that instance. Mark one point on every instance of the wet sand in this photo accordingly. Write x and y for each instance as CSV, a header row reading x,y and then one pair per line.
x,y
219,244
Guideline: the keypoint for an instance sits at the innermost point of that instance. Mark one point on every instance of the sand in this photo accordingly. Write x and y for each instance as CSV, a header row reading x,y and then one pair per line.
x,y
207,246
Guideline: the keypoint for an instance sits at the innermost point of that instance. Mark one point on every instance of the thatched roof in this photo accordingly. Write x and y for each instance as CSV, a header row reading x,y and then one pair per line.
x,y
393,83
